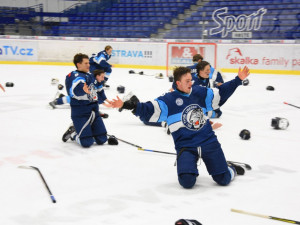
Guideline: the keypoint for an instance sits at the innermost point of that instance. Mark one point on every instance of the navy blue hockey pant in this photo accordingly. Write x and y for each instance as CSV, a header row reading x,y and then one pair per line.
x,y
89,125
214,159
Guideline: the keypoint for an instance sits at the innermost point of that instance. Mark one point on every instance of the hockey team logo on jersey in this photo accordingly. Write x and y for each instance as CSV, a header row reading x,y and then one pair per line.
x,y
193,117
93,97
179,101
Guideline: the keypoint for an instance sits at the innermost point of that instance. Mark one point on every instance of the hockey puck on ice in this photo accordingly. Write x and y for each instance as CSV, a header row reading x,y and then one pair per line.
x,y
245,82
141,73
9,84
245,134
270,88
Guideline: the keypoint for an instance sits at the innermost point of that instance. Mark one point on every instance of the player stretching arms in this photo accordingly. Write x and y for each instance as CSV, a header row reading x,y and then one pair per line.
x,y
184,110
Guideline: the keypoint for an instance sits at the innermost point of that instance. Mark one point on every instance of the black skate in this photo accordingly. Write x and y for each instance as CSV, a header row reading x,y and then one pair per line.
x,y
247,166
53,104
239,169
68,133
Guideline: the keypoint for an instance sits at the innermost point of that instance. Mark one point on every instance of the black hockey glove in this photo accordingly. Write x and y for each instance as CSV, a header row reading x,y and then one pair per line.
x,y
130,104
187,222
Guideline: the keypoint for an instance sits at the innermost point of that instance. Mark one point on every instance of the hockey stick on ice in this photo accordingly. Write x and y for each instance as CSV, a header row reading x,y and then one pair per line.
x,y
291,105
141,148
149,150
265,216
44,181
127,142
170,153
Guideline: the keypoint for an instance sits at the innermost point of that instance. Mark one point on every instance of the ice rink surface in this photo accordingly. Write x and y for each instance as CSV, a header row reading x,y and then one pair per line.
x,y
121,185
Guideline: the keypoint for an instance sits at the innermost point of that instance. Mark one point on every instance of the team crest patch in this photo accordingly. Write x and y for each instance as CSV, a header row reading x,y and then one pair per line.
x,y
193,117
93,97
179,101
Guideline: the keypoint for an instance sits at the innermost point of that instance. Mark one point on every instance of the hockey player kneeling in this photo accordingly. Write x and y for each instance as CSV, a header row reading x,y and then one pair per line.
x,y
86,92
185,110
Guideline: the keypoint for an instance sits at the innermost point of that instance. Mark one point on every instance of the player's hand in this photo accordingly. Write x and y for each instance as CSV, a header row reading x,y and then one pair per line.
x,y
86,89
2,88
244,73
108,103
117,103
216,125
219,84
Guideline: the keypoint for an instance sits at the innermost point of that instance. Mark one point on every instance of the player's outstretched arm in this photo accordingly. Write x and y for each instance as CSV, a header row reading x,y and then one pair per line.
x,y
130,104
243,74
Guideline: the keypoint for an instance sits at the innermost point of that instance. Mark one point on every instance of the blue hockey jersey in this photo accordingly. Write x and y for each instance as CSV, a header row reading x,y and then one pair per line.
x,y
185,114
74,86
99,61
214,77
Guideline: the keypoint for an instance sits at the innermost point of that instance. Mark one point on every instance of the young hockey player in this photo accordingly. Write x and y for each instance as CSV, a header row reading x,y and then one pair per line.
x,y
86,91
99,61
184,111
214,77
66,99
207,76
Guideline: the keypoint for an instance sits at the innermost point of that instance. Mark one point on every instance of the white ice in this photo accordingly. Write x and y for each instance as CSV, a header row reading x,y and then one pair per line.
x,y
122,185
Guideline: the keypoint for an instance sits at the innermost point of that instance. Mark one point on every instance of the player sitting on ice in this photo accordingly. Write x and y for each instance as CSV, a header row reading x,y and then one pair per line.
x,y
185,112
86,91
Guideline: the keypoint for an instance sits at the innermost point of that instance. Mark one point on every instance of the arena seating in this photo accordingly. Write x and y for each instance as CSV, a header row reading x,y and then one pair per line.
x,y
281,20
257,19
127,19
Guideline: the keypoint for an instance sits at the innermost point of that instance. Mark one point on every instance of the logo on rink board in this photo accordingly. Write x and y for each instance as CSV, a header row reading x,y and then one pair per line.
x,y
132,54
193,117
15,50
229,23
184,54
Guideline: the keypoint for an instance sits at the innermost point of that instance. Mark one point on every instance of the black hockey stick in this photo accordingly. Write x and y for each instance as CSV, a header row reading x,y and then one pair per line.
x,y
265,216
124,141
292,105
242,164
141,148
171,153
37,169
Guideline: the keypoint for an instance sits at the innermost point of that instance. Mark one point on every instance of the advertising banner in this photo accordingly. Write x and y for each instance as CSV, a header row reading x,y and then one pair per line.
x,y
260,56
18,50
137,53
